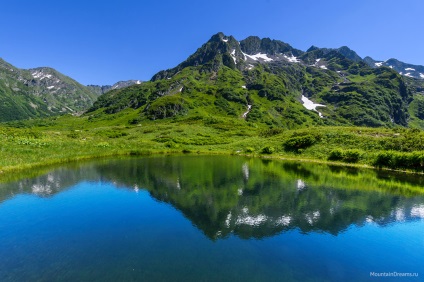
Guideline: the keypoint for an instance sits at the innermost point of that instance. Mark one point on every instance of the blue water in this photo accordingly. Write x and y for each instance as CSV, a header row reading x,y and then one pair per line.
x,y
100,228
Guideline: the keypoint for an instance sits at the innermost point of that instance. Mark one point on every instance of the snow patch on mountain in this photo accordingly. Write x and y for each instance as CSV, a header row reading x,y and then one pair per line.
x,y
410,69
323,67
292,59
259,56
317,62
233,55
308,104
379,64
248,110
422,75
40,75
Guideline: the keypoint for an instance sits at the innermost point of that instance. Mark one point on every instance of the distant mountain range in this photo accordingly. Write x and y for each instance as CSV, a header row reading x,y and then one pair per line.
x,y
409,70
43,91
260,80
268,81
99,90
253,50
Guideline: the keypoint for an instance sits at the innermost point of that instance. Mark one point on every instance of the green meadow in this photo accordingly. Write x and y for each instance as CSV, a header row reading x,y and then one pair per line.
x,y
60,139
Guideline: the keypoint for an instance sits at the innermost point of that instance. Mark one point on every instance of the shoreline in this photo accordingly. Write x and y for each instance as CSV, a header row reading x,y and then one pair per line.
x,y
9,170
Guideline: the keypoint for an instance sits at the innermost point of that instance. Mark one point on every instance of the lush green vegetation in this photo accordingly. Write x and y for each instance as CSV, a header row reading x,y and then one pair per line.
x,y
212,103
39,92
97,134
15,103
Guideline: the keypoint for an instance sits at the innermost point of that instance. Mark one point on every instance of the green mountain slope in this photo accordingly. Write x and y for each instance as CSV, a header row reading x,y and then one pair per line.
x,y
39,92
264,81
15,100
60,92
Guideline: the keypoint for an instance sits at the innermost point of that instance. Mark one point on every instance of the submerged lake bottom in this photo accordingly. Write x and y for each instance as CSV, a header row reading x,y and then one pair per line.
x,y
211,218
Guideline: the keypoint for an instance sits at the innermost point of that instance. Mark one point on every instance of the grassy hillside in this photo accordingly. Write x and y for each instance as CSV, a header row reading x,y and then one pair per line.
x,y
416,107
39,92
377,97
15,100
64,138
220,79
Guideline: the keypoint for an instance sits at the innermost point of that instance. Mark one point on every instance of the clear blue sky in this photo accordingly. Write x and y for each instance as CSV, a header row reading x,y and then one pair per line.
x,y
101,42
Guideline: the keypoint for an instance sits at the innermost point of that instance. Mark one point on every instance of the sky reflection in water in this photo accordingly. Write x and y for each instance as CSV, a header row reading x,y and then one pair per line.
x,y
210,218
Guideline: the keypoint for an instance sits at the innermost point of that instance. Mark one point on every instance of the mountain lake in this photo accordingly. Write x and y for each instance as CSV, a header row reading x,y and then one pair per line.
x,y
211,218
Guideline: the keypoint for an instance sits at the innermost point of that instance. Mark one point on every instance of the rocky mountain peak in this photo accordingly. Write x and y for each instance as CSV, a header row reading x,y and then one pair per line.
x,y
222,50
219,50
405,69
369,61
102,89
349,53
312,48
253,45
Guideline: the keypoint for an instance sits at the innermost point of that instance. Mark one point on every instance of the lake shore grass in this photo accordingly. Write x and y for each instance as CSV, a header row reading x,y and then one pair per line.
x,y
29,144
316,172
62,139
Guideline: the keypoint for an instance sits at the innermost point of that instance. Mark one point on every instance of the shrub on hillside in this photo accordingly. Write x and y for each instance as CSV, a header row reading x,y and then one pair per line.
x,y
336,155
268,150
296,143
166,107
135,121
234,96
348,156
225,106
271,132
249,150
74,135
392,159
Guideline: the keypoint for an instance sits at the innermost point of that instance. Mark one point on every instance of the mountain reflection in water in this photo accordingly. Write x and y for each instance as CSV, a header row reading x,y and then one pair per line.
x,y
250,198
